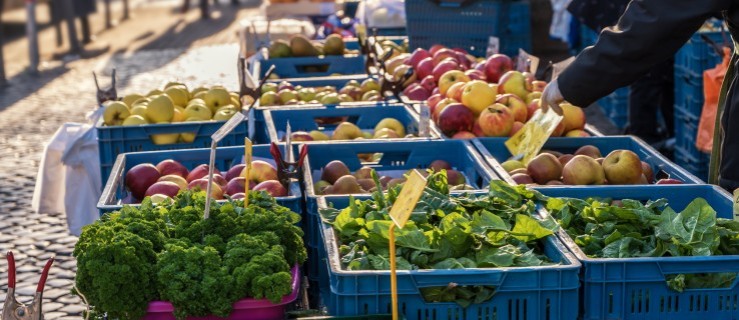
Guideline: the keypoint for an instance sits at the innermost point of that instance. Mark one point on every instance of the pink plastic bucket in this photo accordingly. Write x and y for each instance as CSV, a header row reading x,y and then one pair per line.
x,y
244,309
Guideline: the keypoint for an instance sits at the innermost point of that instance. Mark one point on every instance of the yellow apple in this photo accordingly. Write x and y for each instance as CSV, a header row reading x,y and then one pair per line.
x,y
236,102
392,124
197,111
178,95
228,107
160,109
198,90
451,77
154,92
165,138
189,137
318,135
197,101
477,96
131,98
139,110
199,95
174,84
134,120
143,101
216,98
179,114
115,113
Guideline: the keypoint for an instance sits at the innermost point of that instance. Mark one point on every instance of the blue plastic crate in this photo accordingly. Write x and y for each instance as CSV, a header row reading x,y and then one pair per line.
x,y
686,130
693,161
469,26
495,152
115,195
635,288
396,158
306,67
365,117
114,140
616,106
688,93
546,292
697,56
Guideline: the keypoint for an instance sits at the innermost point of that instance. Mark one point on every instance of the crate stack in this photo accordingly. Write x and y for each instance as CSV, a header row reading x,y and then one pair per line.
x,y
690,63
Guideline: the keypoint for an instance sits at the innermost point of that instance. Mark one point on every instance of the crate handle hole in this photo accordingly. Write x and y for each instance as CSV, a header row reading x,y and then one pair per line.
x,y
696,281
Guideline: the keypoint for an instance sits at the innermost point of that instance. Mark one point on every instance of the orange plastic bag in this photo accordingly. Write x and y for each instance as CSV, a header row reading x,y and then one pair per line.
x,y
712,80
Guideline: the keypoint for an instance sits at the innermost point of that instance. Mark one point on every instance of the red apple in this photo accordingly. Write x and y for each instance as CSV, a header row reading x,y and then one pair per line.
x,y
464,63
416,57
496,66
273,187
180,181
169,166
454,118
574,117
435,48
559,130
260,171
202,184
301,136
416,92
565,158
444,67
438,165
464,135
219,180
428,83
538,86
166,188
517,106
237,185
455,91
475,74
516,127
477,130
433,100
669,181
235,171
460,50
648,171
240,195
200,172
435,91
522,178
531,108
140,178
443,54
425,68
496,121
544,167
440,107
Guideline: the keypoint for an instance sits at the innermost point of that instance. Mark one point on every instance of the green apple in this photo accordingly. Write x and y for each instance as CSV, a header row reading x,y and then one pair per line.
x,y
287,95
369,85
197,111
134,120
224,114
216,98
392,124
178,95
307,94
370,95
352,83
269,87
331,98
318,135
269,99
115,113
160,109
345,98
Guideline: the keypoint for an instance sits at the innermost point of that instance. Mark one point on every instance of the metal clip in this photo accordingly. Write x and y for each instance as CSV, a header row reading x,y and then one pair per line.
x,y
14,310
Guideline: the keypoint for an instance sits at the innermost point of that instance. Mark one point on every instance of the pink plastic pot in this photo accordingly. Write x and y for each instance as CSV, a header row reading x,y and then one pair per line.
x,y
244,309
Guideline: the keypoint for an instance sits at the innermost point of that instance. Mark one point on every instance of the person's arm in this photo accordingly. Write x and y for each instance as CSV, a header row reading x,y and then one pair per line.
x,y
649,32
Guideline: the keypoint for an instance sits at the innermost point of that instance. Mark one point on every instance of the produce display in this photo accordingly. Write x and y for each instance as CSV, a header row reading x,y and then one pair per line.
x,y
387,128
169,177
284,93
624,228
586,166
169,252
444,232
300,46
336,178
470,98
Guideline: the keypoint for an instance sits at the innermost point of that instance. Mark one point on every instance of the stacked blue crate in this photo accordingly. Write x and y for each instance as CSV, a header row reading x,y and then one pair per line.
x,y
691,61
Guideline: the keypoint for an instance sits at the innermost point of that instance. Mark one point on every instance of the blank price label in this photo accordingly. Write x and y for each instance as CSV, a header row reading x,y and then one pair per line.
x,y
408,198
493,46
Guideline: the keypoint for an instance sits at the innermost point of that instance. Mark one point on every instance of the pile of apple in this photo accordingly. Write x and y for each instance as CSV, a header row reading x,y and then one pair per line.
x,y
337,179
585,167
387,128
284,93
169,177
486,98
175,103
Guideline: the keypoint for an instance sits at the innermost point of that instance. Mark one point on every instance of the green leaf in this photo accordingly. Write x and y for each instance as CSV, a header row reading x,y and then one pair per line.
x,y
497,257
529,229
692,230
485,220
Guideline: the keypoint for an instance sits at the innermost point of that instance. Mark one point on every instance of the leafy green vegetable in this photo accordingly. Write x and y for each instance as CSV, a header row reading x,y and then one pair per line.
x,y
137,255
444,232
653,229
462,295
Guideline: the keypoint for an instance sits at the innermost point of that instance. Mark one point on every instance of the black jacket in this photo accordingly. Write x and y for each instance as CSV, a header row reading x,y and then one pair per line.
x,y
650,32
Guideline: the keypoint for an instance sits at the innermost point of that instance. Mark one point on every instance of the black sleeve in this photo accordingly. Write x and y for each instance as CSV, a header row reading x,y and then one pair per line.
x,y
649,32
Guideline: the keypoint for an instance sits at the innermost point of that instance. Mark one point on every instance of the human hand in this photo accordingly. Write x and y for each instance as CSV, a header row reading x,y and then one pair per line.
x,y
551,98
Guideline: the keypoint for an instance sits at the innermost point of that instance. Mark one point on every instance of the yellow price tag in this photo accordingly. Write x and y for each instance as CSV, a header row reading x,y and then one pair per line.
x,y
408,198
528,141
247,162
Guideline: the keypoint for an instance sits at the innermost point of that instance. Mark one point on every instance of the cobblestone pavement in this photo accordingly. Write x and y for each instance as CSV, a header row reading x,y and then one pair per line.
x,y
66,93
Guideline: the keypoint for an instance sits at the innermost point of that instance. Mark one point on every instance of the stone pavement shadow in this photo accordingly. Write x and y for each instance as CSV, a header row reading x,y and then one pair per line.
x,y
174,41
25,84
